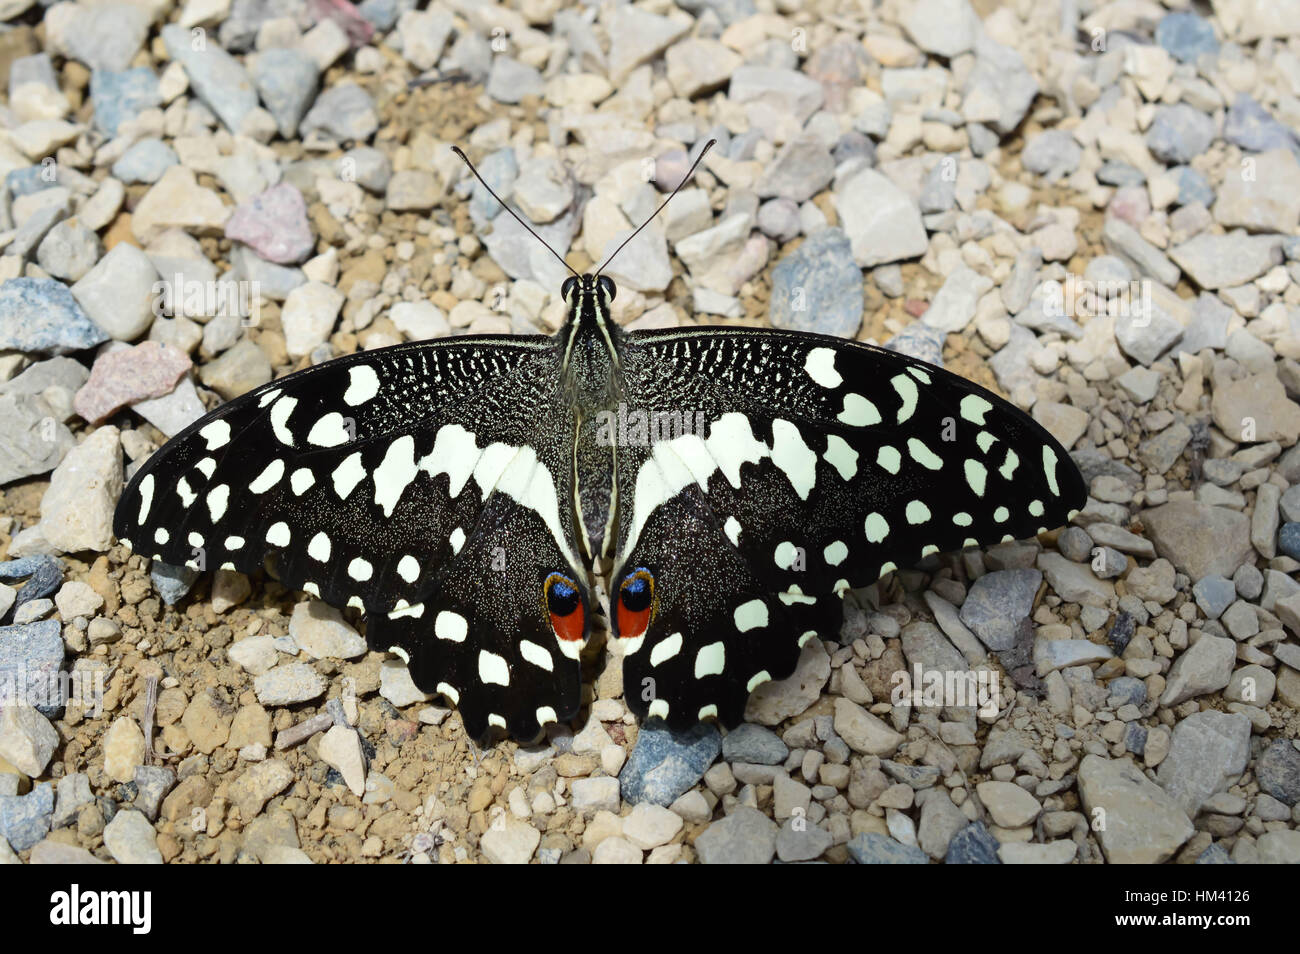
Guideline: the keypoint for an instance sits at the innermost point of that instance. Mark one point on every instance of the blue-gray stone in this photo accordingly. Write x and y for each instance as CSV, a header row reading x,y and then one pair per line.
x,y
344,113
1135,738
1288,540
384,14
274,281
1128,689
117,97
1291,247
1116,173
287,79
870,848
1185,36
1052,154
973,845
499,170
918,340
31,656
754,744
369,168
145,161
27,566
152,783
216,77
818,287
239,28
40,315
664,765
1214,594
172,582
1179,133
1121,633
1251,126
1278,771
32,179
1216,854
1192,186
996,604
851,145
25,819
939,191
44,574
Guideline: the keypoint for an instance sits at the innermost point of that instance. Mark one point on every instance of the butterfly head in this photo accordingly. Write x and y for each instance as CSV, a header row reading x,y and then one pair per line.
x,y
598,289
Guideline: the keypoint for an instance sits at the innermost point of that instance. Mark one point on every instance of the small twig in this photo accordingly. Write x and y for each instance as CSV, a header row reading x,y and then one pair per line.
x,y
150,704
303,731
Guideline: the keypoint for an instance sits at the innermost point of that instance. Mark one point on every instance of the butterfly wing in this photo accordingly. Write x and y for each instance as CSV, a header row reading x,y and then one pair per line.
x,y
803,466
411,482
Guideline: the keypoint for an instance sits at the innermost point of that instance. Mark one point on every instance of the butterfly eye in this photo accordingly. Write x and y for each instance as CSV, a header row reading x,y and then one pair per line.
x,y
635,600
564,605
607,288
566,290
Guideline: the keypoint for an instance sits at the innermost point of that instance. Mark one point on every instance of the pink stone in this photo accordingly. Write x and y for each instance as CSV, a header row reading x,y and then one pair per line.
x,y
274,224
1130,204
356,26
126,375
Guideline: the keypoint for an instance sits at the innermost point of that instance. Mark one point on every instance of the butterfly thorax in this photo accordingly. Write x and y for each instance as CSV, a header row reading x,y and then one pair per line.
x,y
592,383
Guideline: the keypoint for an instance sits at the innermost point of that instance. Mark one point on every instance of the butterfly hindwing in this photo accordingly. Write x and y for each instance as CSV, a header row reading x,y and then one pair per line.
x,y
408,482
815,465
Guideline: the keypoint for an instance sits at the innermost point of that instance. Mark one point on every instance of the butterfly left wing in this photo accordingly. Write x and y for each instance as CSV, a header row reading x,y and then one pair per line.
x,y
792,467
411,482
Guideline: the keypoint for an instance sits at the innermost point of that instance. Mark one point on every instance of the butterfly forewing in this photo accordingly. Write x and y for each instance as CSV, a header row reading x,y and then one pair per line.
x,y
411,482
816,465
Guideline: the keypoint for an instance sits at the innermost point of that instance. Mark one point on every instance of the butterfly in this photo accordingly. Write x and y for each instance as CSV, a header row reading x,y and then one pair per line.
x,y
729,485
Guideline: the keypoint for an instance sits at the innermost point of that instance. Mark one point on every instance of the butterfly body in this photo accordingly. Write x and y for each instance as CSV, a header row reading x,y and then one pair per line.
x,y
730,484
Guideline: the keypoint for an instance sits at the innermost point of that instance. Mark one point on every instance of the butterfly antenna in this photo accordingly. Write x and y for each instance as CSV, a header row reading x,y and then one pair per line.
x,y
465,159
685,179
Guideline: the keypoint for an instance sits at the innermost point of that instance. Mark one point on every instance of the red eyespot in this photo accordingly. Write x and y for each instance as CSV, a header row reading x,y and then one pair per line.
x,y
564,604
635,603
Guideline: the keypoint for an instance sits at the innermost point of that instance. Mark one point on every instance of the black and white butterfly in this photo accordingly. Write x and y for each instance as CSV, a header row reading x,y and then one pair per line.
x,y
731,484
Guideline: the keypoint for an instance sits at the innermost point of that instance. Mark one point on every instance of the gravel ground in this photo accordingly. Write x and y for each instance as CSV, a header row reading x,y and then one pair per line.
x,y
1090,207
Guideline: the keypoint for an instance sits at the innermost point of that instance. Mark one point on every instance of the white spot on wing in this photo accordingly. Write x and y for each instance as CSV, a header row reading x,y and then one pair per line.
x,y
268,478
858,411
301,480
907,393
973,408
917,512
146,497
493,668
711,660
363,384
456,539
751,615
841,456
280,412
360,570
319,548
794,457
217,434
820,365
347,475
835,553
328,431
666,649
454,453
536,655
889,459
876,527
975,476
732,529
278,534
452,626
395,473
218,499
1049,469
